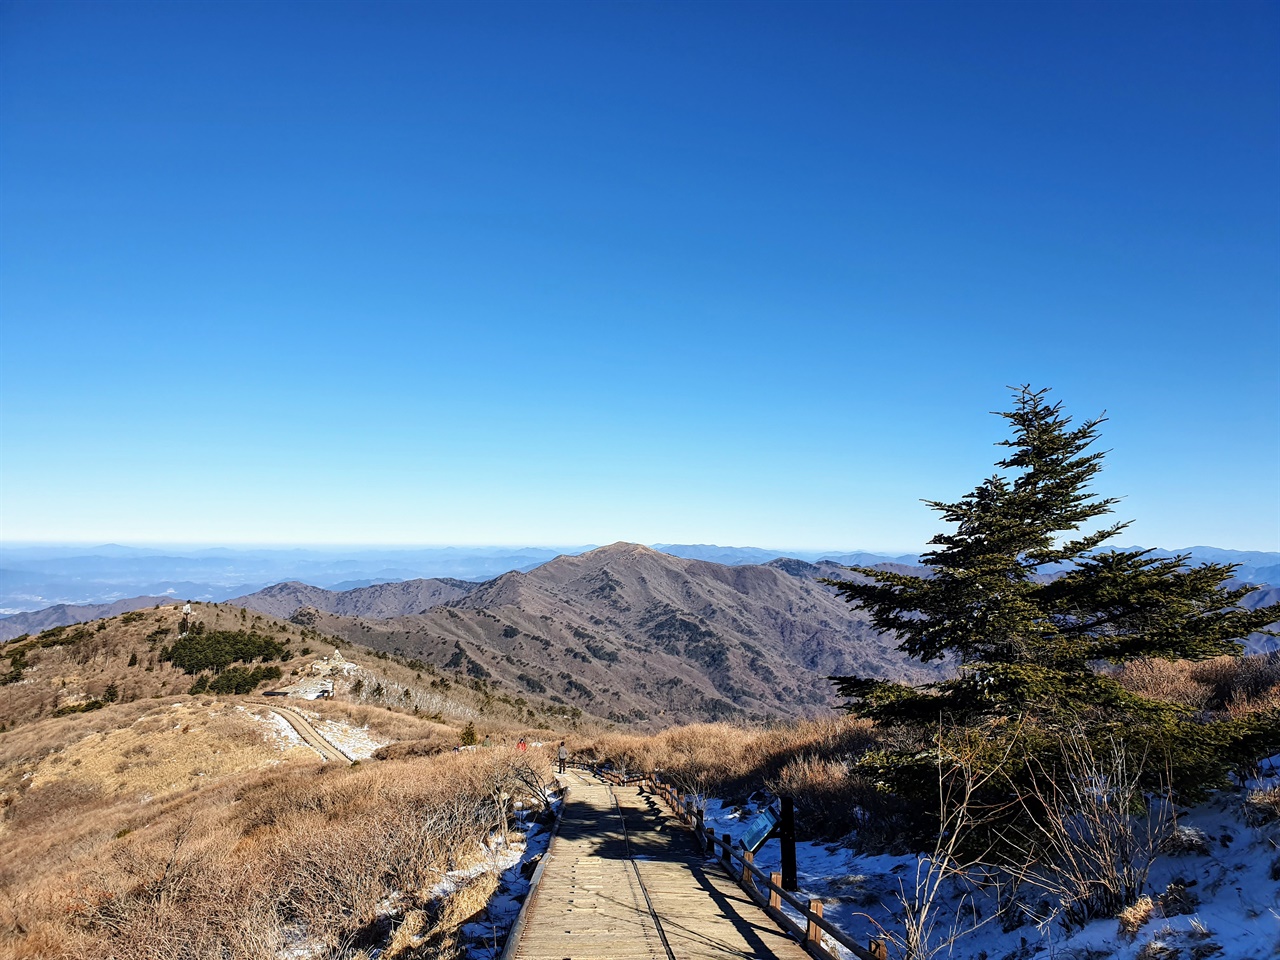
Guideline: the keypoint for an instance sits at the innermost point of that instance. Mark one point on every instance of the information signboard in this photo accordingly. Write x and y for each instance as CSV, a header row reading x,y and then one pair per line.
x,y
758,830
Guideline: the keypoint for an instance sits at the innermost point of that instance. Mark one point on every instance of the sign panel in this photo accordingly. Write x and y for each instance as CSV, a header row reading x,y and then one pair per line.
x,y
758,830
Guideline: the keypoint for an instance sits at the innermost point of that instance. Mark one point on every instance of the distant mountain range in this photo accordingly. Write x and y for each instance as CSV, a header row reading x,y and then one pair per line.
x,y
624,632
32,578
37,577
63,614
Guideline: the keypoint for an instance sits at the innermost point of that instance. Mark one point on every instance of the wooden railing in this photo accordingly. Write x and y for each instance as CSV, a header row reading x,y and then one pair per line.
x,y
763,888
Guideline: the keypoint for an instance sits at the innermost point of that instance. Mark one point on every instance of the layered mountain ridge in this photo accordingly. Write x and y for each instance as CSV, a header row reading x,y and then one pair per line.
x,y
625,632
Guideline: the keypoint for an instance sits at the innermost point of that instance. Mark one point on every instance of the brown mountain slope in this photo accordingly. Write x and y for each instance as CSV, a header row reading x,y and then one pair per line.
x,y
86,667
65,614
627,633
377,601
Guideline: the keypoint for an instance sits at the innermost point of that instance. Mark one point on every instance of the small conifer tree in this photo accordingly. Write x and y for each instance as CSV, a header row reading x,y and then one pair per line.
x,y
469,734
1022,601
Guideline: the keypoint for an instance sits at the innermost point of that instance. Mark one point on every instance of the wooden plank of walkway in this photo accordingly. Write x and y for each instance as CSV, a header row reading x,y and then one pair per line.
x,y
593,900
588,902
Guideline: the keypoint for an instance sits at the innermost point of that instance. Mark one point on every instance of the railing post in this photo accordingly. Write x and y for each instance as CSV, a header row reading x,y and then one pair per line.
x,y
748,858
879,949
775,898
812,932
728,845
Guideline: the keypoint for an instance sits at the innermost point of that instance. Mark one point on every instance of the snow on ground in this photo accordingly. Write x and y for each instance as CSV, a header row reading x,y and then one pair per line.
x,y
310,687
488,935
1230,874
278,729
356,742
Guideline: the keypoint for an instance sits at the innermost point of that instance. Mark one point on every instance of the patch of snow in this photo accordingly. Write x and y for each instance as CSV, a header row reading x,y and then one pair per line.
x,y
1234,901
279,731
356,742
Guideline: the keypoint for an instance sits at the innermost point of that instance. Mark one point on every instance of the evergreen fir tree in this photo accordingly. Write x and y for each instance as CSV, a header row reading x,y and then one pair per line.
x,y
1029,610
468,737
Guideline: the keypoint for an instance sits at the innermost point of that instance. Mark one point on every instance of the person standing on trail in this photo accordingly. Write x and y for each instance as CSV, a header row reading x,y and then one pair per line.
x,y
562,754
522,746
488,741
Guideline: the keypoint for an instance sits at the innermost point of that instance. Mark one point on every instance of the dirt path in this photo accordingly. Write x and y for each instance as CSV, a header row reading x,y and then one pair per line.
x,y
310,735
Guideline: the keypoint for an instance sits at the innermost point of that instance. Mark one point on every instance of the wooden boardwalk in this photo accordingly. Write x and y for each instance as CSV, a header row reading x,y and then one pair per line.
x,y
624,880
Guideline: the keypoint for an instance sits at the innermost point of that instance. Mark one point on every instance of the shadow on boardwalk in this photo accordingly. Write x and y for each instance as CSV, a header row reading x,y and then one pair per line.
x,y
625,880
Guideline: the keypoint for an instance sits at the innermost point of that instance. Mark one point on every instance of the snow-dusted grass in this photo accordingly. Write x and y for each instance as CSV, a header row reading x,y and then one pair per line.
x,y
356,742
1215,894
278,730
486,935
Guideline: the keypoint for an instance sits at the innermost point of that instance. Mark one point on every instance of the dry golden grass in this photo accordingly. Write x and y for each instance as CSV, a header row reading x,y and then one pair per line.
x,y
812,759
1133,917
1230,685
113,845
384,724
1262,805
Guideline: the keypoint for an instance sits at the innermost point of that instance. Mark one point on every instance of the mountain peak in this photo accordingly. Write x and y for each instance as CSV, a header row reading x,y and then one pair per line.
x,y
623,547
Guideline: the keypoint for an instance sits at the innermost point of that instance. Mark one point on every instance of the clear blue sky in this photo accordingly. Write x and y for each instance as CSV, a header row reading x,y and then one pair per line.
x,y
666,272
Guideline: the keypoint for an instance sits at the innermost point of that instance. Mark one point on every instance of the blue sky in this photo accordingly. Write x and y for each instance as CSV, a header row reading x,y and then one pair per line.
x,y
572,273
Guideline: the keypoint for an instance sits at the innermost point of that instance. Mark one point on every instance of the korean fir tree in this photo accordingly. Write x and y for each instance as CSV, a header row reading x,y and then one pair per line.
x,y
1021,598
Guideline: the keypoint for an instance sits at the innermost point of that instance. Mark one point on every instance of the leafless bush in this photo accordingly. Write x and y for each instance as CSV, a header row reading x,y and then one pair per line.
x,y
1240,681
420,747
958,859
1091,832
1166,680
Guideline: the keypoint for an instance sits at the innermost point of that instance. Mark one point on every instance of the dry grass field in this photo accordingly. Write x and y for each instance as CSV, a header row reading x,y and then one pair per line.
x,y
1224,685
160,824
238,860
156,823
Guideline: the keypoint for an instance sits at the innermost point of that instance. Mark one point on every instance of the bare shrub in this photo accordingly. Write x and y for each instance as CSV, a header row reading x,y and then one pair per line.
x,y
831,799
1092,832
421,747
959,857
1235,685
1239,681
47,802
1167,680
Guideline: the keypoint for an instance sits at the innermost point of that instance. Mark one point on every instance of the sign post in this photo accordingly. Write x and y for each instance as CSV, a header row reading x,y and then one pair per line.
x,y
787,832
